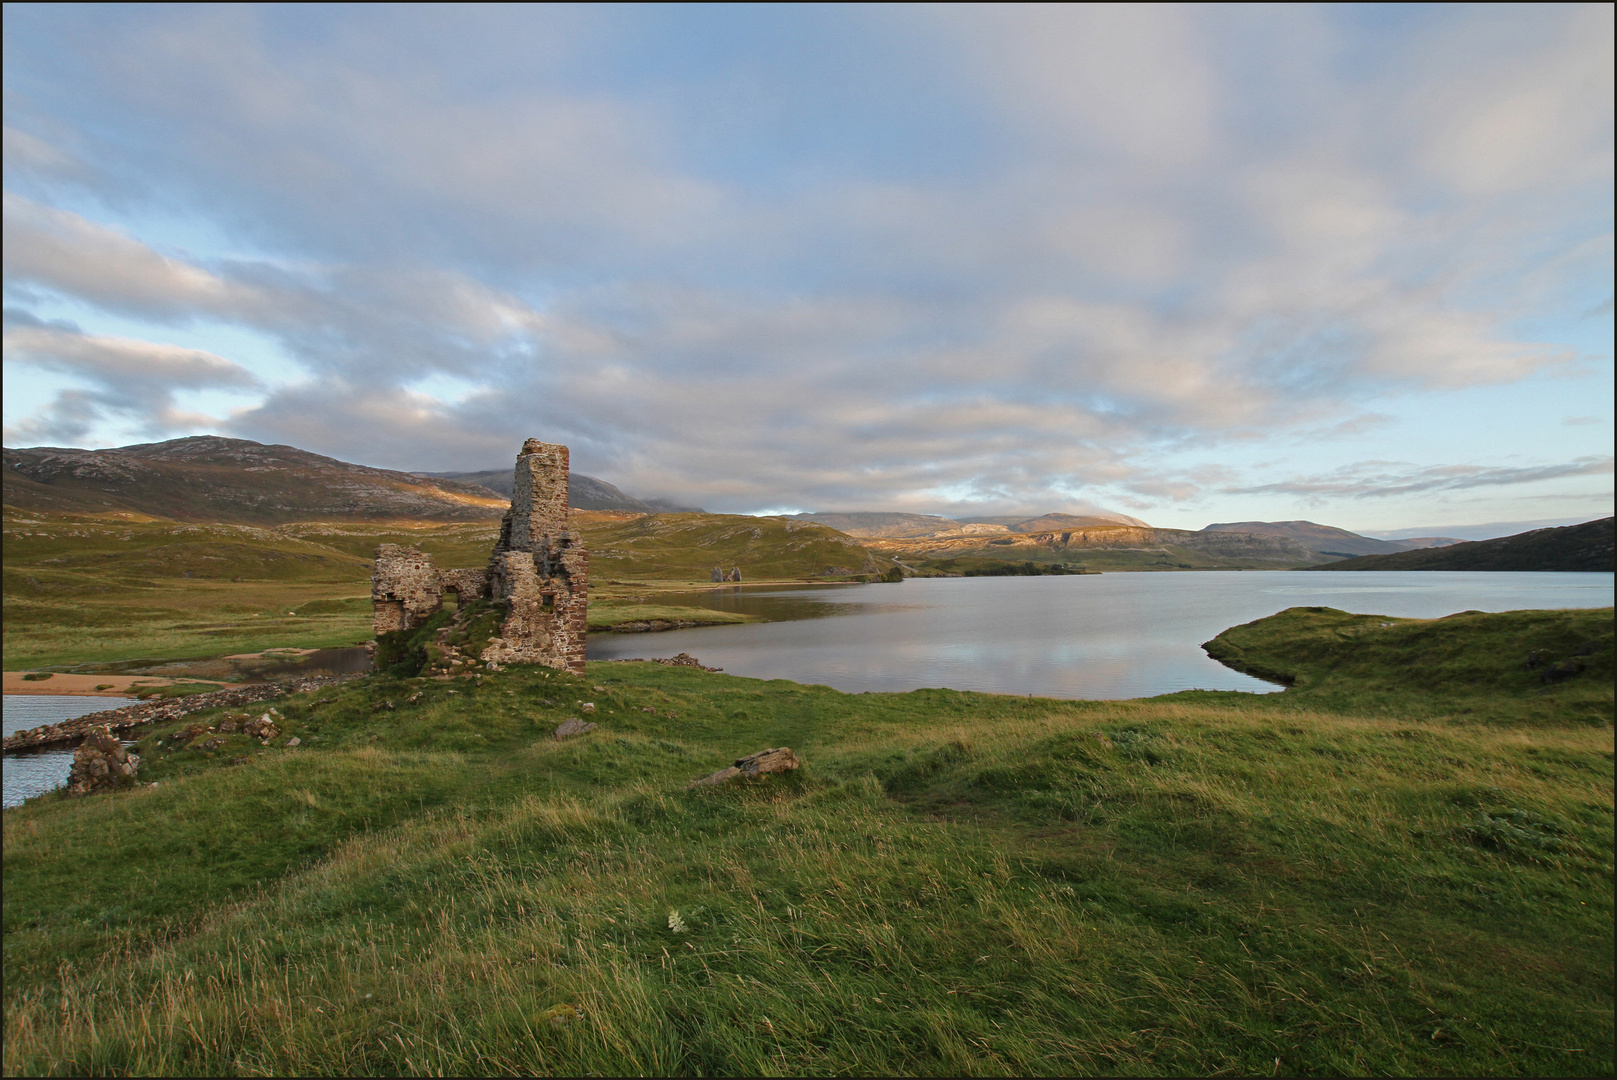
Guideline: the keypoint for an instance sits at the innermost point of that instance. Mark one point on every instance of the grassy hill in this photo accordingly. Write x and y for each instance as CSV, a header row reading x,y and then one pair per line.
x,y
1572,547
1520,667
583,492
1325,539
206,478
1103,547
1311,882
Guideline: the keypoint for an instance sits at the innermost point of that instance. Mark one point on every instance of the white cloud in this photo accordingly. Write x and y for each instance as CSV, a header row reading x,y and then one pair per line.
x,y
1165,229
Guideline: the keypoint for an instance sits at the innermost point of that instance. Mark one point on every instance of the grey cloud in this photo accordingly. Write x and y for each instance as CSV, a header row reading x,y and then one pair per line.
x,y
122,362
1389,479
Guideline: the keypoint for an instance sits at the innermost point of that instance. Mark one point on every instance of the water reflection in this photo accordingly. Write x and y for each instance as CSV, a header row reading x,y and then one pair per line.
x,y
781,604
1095,636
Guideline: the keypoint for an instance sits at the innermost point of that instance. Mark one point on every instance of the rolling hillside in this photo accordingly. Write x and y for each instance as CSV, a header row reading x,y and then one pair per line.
x,y
1572,547
1328,540
685,547
585,492
1108,547
207,478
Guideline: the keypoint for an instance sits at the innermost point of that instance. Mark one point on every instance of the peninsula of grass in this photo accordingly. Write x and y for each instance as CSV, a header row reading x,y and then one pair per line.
x,y
1320,881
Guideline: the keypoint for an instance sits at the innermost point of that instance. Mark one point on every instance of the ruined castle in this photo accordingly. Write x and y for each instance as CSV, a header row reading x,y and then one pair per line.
x,y
538,569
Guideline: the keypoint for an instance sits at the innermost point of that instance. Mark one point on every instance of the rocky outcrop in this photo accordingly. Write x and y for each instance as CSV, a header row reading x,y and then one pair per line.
x,y
682,660
101,764
171,709
751,767
263,729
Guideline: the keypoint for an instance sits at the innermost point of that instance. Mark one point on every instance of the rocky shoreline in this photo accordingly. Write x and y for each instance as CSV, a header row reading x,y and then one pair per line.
x,y
152,711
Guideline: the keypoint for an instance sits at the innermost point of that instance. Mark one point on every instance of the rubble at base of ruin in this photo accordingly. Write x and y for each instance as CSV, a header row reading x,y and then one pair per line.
x,y
538,569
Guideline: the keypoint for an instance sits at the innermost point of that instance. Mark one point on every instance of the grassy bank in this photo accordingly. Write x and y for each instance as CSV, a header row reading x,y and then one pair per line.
x,y
953,883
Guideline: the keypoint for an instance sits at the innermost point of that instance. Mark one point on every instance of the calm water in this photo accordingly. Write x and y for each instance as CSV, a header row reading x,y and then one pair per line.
x,y
34,772
1095,636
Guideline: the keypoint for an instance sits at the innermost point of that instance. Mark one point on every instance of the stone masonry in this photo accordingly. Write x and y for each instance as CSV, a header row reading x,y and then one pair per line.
x,y
538,569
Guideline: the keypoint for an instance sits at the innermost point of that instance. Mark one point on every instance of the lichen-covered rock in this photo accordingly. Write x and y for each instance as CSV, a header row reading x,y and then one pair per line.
x,y
572,726
101,763
764,762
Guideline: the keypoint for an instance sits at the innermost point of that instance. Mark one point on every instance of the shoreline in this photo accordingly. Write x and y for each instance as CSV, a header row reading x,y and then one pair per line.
x,y
65,685
147,712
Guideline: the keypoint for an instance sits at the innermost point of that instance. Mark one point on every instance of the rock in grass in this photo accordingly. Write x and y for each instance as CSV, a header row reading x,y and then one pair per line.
x,y
262,728
764,762
101,762
572,726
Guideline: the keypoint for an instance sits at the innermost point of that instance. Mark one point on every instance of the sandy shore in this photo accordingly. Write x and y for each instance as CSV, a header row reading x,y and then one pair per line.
x,y
89,685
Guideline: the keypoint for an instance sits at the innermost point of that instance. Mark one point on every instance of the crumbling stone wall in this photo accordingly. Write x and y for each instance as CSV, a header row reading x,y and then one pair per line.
x,y
467,584
539,569
406,588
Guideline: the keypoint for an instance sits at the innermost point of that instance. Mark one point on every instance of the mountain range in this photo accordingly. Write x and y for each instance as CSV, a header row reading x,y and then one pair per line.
x,y
212,478
585,492
1327,540
1585,547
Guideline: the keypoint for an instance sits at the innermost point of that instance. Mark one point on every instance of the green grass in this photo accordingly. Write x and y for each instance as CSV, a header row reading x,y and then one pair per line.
x,y
953,883
87,591
97,591
609,615
1484,667
686,547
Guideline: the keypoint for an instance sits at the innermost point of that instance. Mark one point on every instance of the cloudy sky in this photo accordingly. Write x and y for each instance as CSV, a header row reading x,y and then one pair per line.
x,y
1352,264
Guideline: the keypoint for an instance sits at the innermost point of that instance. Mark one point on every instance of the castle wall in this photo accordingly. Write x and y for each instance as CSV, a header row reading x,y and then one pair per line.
x,y
467,584
405,588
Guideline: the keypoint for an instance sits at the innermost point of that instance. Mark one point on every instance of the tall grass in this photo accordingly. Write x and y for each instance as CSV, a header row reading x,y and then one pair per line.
x,y
954,883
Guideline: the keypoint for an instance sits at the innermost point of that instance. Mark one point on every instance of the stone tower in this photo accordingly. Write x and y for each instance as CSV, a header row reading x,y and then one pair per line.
x,y
539,569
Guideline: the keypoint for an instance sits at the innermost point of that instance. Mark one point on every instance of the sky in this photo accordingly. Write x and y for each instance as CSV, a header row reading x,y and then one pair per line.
x,y
1351,264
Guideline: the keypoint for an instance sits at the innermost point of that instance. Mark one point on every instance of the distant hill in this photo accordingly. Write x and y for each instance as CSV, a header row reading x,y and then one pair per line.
x,y
883,525
585,492
1056,522
1572,547
895,526
208,478
1327,540
1108,547
1417,543
685,547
